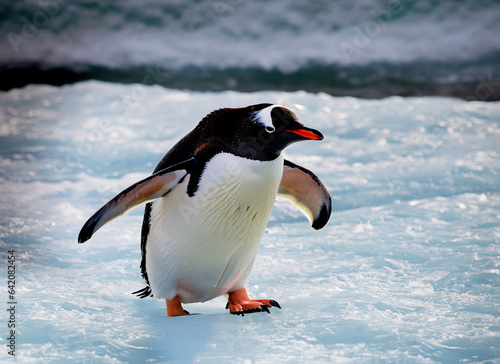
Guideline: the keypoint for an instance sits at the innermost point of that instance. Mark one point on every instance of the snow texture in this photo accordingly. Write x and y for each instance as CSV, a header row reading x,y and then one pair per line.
x,y
407,270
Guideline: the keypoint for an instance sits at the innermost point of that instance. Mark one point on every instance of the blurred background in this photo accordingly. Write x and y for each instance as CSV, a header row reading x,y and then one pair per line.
x,y
367,48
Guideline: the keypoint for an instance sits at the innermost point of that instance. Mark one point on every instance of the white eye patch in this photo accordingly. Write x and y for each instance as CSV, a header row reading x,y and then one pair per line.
x,y
264,117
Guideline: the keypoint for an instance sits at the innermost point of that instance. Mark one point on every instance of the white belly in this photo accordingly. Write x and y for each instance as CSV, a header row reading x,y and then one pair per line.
x,y
203,246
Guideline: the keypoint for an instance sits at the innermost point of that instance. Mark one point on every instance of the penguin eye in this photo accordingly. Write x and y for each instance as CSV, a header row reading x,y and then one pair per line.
x,y
269,129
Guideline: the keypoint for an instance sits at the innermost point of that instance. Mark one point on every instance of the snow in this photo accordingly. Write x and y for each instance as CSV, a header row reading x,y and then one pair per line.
x,y
407,269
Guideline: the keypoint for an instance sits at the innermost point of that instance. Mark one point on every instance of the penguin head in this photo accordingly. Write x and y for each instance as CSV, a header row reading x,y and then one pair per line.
x,y
283,126
259,132
276,127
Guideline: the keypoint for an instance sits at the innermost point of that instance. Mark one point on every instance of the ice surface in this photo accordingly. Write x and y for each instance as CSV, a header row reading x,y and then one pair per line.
x,y
407,270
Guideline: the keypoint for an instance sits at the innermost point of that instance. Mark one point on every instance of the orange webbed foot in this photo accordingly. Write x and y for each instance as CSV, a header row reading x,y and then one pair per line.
x,y
174,308
239,303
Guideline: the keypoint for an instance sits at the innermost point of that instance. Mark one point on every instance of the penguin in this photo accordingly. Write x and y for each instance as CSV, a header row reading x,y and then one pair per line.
x,y
208,202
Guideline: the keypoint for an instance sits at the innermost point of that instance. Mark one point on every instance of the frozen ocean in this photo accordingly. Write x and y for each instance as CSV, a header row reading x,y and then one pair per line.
x,y
406,93
407,269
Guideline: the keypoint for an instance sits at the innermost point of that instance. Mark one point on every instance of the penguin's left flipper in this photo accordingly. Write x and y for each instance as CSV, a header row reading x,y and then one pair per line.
x,y
305,190
150,188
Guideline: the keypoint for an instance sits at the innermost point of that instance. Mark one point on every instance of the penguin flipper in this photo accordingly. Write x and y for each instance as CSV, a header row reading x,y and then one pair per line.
x,y
148,189
305,190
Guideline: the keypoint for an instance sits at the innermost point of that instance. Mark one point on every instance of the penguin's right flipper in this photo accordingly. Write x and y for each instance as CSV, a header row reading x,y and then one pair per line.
x,y
150,188
305,190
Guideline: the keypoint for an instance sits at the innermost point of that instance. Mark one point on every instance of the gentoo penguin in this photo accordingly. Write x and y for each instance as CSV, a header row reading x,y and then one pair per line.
x,y
208,202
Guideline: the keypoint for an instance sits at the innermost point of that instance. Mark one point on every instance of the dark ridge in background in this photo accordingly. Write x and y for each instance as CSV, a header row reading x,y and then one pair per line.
x,y
378,81
364,49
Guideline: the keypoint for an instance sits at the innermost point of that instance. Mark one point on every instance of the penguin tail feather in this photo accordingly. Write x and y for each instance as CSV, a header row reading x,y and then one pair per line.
x,y
143,293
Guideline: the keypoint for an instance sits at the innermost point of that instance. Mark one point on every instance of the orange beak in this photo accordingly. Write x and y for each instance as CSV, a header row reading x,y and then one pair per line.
x,y
307,133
